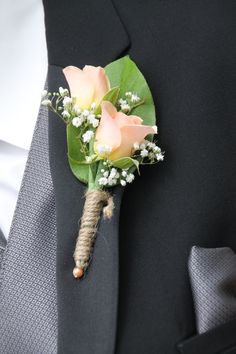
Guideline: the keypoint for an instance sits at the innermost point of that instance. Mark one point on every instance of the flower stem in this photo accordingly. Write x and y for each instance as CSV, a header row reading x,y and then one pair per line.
x,y
95,202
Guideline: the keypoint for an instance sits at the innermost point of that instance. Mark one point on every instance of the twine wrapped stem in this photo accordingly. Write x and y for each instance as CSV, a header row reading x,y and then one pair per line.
x,y
95,201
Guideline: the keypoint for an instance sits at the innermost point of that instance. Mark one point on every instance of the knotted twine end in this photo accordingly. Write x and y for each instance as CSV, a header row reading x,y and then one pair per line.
x,y
94,203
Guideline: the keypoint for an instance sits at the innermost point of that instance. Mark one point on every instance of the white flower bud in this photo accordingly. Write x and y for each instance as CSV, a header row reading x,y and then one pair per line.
x,y
142,146
103,181
144,153
134,98
86,112
157,149
77,122
63,92
113,173
77,109
44,93
125,107
136,146
66,101
88,159
87,136
95,123
159,157
91,117
121,101
65,114
130,177
103,149
151,145
46,103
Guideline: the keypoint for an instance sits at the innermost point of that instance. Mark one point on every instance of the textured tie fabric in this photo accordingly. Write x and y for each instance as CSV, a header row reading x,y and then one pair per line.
x,y
2,246
28,311
213,280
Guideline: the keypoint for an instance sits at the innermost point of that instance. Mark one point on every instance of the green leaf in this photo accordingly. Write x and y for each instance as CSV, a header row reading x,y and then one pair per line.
x,y
126,162
125,74
75,155
81,171
99,173
111,96
74,144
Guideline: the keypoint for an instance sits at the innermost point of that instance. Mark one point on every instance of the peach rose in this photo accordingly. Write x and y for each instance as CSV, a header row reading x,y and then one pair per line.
x,y
88,85
117,133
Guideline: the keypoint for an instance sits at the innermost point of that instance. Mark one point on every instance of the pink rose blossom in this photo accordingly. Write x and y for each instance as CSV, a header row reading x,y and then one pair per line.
x,y
117,133
88,85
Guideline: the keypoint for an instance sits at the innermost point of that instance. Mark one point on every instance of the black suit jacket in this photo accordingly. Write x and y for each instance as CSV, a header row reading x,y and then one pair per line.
x,y
136,296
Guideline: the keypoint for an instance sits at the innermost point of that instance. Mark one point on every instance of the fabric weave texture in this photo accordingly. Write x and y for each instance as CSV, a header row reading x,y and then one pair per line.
x,y
213,280
28,311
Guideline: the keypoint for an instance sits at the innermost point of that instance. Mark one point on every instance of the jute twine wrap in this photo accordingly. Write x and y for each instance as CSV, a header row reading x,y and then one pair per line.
x,y
95,201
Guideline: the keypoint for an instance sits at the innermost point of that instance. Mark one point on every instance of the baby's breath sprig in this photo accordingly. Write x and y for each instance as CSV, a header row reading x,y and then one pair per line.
x,y
111,176
85,119
66,108
129,102
59,102
148,153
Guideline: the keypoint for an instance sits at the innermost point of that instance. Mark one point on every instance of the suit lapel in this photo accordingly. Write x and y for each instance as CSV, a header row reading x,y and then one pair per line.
x,y
86,32
87,309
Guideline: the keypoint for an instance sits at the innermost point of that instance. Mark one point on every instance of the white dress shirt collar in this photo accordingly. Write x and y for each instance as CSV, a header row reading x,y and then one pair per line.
x,y
23,66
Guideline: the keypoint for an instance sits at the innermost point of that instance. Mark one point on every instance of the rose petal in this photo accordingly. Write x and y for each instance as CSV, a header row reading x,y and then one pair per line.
x,y
131,134
154,127
136,119
100,81
109,108
108,132
80,86
122,119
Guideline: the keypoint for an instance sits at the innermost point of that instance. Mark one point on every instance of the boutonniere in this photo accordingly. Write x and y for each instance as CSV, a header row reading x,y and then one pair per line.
x,y
110,122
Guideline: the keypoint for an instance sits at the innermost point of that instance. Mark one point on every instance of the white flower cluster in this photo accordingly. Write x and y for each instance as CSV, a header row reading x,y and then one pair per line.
x,y
63,92
130,100
103,149
113,176
132,96
150,151
46,101
69,110
87,136
85,116
124,106
67,106
44,93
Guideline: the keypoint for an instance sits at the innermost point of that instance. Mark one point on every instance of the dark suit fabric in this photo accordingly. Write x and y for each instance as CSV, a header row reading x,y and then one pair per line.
x,y
187,52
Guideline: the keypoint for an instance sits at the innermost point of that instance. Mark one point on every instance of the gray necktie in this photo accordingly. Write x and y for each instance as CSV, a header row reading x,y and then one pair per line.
x,y
28,312
2,246
213,279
